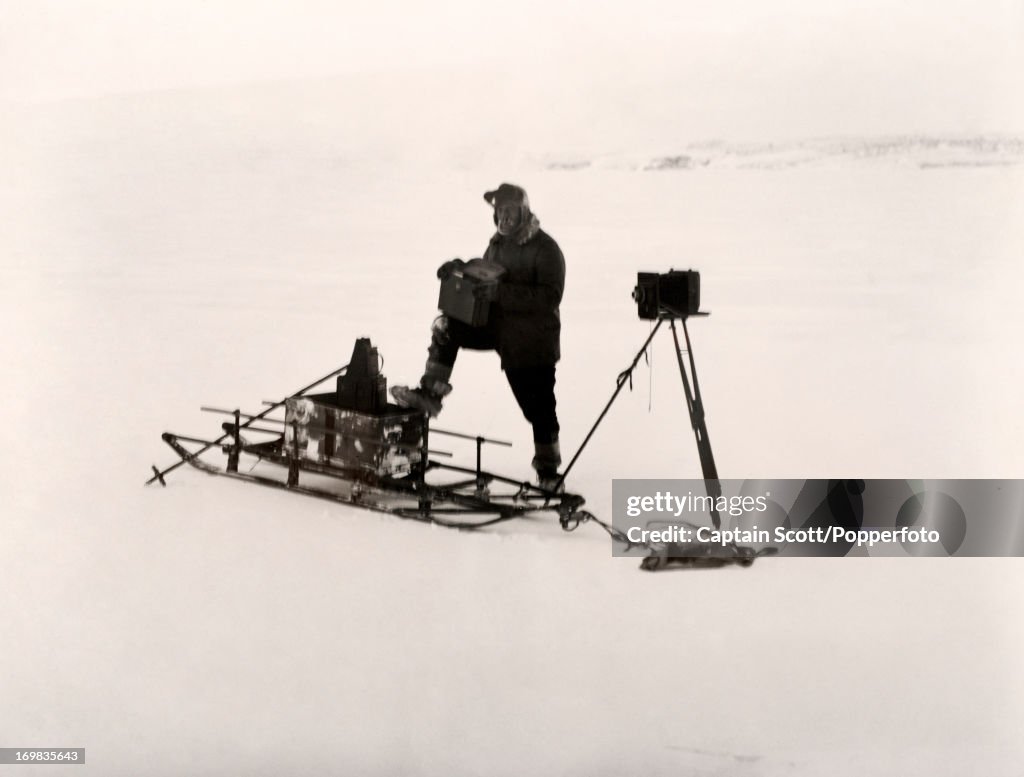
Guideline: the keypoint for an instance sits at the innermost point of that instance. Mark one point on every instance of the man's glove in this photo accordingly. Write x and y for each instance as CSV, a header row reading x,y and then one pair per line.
x,y
486,291
446,269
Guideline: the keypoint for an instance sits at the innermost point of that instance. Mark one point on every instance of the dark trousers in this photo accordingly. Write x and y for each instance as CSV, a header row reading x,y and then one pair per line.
x,y
533,387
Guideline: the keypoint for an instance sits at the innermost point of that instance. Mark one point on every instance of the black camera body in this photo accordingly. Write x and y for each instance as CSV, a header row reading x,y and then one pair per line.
x,y
458,299
675,293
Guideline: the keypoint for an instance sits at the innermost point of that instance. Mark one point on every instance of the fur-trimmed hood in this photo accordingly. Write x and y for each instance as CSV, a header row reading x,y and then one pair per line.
x,y
509,193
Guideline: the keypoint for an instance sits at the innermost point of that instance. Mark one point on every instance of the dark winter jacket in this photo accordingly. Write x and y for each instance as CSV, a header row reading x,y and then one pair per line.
x,y
525,312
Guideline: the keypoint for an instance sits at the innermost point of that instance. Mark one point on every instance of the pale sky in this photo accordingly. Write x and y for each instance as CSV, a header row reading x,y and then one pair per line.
x,y
946,62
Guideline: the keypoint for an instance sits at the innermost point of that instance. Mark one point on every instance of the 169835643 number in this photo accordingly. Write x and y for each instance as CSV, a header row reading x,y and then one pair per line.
x,y
16,755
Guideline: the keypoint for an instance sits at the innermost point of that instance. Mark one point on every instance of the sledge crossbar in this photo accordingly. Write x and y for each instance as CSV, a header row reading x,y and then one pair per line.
x,y
158,475
475,438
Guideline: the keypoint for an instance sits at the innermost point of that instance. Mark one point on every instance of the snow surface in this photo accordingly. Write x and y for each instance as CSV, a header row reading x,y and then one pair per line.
x,y
865,323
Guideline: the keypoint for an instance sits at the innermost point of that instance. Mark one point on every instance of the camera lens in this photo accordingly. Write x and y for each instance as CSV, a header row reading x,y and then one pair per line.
x,y
639,294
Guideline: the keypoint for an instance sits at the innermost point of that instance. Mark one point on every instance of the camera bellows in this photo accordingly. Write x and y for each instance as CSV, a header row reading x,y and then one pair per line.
x,y
675,294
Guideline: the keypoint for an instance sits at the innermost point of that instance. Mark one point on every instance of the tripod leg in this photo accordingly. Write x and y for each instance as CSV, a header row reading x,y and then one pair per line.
x,y
700,429
622,379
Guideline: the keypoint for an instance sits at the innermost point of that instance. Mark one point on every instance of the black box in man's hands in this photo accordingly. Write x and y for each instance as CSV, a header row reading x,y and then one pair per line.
x,y
458,299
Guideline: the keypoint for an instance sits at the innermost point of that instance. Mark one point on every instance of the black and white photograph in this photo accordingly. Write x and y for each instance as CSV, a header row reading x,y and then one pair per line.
x,y
344,344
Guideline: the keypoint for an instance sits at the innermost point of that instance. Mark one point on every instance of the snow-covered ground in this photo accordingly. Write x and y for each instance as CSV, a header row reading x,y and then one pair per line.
x,y
866,321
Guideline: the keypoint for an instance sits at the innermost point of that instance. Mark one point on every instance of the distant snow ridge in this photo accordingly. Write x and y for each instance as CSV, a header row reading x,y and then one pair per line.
x,y
923,152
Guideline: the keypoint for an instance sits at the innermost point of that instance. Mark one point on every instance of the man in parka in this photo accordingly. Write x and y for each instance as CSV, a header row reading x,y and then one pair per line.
x,y
523,326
